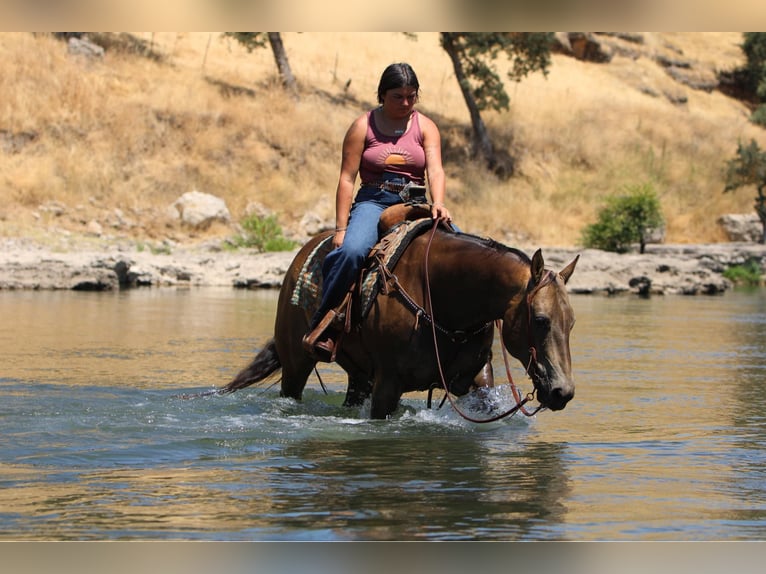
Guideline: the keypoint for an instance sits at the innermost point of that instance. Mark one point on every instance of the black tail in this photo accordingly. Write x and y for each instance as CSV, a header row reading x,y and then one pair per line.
x,y
264,364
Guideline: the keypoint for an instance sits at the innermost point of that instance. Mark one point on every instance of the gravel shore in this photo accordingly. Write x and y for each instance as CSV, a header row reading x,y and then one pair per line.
x,y
28,264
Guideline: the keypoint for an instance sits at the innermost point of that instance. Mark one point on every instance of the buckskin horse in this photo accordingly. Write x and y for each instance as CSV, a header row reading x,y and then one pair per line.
x,y
460,286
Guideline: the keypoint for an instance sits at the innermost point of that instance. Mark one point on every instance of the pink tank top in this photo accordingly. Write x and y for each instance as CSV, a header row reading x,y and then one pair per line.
x,y
398,155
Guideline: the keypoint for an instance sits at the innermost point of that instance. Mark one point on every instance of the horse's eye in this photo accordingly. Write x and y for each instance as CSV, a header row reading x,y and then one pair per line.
x,y
542,322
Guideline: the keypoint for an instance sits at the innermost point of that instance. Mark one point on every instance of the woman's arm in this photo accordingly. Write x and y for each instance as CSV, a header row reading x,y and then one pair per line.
x,y
434,168
351,157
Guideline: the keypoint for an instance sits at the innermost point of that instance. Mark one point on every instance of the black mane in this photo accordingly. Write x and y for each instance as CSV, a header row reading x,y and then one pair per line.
x,y
494,245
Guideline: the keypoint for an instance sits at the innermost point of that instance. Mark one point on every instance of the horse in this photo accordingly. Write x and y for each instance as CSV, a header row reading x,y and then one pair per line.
x,y
459,284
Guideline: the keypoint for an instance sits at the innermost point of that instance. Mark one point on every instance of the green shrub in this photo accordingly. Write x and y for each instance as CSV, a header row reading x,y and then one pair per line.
x,y
748,273
263,234
759,115
746,169
625,219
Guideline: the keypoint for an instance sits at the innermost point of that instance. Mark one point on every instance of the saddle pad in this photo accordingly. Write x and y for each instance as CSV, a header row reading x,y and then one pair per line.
x,y
391,247
308,287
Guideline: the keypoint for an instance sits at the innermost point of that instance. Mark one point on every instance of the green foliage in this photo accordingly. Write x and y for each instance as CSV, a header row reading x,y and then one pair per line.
x,y
759,116
754,48
250,40
749,168
625,219
477,52
753,74
263,234
748,273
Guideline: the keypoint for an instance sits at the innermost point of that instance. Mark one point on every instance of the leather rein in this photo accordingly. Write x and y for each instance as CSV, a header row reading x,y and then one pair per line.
x,y
462,336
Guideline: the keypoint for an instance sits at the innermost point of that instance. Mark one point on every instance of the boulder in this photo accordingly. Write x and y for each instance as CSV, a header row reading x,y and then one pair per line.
x,y
200,210
586,46
741,227
257,209
79,46
312,224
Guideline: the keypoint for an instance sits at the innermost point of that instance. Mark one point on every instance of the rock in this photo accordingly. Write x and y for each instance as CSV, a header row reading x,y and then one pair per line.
x,y
312,224
654,235
94,228
695,79
84,47
632,37
662,269
667,62
53,207
586,46
741,226
256,209
199,210
561,43
14,142
642,285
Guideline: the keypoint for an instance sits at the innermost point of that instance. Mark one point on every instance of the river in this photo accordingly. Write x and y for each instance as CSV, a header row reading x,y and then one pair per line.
x,y
665,439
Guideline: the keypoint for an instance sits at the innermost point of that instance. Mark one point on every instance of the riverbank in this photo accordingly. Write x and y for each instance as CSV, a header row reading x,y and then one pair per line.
x,y
99,265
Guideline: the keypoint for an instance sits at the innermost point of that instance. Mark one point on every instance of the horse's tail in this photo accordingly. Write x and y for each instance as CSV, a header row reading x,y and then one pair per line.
x,y
265,363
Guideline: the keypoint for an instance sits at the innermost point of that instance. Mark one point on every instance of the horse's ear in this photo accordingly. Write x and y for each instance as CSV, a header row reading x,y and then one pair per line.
x,y
538,266
567,271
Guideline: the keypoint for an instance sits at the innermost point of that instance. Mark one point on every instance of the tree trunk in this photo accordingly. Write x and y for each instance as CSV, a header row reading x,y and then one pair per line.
x,y
283,65
480,141
760,209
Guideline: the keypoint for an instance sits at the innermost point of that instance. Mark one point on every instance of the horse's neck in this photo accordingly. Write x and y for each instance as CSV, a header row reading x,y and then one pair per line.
x,y
476,282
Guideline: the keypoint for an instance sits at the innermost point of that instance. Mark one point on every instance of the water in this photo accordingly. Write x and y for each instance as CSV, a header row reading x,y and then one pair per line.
x,y
665,439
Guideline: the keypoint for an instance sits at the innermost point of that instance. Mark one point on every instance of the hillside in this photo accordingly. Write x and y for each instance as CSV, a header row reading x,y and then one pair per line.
x,y
105,145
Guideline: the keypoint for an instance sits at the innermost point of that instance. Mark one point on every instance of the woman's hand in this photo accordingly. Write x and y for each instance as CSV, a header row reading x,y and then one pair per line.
x,y
337,239
440,212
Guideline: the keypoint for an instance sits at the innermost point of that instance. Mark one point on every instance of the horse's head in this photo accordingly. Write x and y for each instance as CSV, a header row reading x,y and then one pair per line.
x,y
538,333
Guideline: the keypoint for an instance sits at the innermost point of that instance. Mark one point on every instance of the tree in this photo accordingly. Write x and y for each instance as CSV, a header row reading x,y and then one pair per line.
x,y
754,70
625,219
473,55
254,40
749,168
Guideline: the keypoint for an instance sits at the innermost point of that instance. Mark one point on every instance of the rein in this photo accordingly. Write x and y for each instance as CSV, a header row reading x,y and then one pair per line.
x,y
529,369
456,336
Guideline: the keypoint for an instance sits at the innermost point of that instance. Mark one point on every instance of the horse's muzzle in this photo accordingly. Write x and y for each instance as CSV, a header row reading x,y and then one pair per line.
x,y
555,398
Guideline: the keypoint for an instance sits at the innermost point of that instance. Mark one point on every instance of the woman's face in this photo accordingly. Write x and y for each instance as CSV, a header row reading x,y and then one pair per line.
x,y
398,102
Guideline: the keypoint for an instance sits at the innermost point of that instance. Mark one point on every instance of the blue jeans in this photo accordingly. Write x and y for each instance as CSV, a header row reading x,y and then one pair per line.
x,y
342,265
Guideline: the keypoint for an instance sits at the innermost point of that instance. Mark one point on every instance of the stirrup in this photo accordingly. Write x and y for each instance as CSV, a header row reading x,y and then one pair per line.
x,y
326,348
334,324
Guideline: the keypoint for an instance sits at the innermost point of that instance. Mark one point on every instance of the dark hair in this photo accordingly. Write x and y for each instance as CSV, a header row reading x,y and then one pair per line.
x,y
397,76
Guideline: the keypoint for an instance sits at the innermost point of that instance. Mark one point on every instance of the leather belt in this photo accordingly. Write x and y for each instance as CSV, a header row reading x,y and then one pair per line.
x,y
409,192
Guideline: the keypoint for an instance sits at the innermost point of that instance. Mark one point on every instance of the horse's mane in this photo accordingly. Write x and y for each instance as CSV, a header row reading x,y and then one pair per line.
x,y
495,246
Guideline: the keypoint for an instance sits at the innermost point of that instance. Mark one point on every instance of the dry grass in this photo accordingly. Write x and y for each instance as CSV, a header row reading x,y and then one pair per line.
x,y
192,111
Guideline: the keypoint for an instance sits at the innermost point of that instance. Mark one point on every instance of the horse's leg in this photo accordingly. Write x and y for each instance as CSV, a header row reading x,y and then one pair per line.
x,y
295,373
482,383
485,378
359,388
385,396
298,364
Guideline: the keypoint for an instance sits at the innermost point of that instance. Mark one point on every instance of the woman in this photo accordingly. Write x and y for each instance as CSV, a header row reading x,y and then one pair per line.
x,y
388,147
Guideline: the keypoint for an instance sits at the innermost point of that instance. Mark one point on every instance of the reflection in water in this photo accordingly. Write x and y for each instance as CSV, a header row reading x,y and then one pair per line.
x,y
665,439
451,486
657,382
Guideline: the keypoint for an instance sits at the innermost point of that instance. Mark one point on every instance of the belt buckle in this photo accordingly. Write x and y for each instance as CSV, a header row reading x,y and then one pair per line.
x,y
419,195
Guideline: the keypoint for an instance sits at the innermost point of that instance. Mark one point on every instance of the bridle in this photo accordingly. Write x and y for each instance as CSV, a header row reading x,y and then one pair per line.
x,y
531,367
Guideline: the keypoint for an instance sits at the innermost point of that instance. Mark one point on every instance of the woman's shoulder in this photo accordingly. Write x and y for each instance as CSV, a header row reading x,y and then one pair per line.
x,y
427,125
359,125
